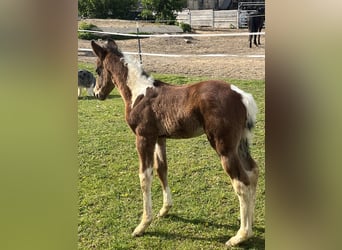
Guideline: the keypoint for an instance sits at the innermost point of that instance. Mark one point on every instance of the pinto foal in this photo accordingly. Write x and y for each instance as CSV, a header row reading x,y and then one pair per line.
x,y
155,110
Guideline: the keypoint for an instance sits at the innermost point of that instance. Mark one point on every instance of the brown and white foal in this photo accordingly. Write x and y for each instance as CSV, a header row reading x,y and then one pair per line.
x,y
155,110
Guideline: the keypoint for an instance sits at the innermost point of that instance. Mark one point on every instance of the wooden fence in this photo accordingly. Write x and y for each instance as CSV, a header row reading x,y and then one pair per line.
x,y
210,18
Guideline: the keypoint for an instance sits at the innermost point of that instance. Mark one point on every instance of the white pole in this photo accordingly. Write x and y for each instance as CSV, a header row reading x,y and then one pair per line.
x,y
237,19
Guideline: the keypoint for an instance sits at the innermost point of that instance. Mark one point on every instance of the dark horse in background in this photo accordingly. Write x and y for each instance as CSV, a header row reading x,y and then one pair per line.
x,y
156,111
256,21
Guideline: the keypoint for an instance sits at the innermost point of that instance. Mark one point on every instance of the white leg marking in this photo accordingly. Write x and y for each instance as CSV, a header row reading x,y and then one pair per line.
x,y
253,176
145,182
79,91
167,202
245,195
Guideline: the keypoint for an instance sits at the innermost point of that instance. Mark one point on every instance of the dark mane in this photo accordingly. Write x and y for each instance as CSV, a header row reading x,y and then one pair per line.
x,y
158,83
115,50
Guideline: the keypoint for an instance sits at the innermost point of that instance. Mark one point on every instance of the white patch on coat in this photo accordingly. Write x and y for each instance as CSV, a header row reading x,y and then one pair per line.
x,y
158,152
136,81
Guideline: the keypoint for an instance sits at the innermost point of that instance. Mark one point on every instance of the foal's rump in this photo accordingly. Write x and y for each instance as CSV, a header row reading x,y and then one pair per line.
x,y
221,105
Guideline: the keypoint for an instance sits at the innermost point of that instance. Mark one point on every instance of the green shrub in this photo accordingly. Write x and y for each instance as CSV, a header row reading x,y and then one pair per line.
x,y
95,36
87,35
185,27
87,26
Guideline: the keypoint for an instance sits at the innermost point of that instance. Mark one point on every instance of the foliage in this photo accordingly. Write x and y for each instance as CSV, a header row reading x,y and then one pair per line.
x,y
91,36
110,202
106,8
185,27
87,26
87,35
161,9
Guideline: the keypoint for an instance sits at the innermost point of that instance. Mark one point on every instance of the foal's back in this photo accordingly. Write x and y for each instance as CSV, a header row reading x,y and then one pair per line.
x,y
189,110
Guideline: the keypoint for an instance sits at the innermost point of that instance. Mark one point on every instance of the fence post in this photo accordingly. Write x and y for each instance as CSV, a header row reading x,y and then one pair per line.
x,y
213,18
189,17
139,45
237,19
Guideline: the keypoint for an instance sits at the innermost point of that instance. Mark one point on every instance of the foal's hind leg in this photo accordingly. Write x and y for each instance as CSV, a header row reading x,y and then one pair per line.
x,y
160,164
244,180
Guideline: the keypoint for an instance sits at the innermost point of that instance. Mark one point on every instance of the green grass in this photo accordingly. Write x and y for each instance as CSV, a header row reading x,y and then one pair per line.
x,y
205,212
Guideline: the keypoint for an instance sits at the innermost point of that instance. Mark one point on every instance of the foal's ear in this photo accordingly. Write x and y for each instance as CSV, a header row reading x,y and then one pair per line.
x,y
111,44
98,50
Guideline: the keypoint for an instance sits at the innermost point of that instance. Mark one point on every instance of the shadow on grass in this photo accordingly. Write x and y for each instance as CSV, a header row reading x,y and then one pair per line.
x,y
255,242
199,221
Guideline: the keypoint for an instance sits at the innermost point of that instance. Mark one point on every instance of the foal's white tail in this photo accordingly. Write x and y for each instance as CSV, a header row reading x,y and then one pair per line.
x,y
251,108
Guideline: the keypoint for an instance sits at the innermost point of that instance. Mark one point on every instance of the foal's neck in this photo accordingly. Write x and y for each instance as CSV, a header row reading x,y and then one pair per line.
x,y
119,76
132,80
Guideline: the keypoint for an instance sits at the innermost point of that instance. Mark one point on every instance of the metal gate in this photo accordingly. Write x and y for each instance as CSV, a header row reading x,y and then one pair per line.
x,y
245,9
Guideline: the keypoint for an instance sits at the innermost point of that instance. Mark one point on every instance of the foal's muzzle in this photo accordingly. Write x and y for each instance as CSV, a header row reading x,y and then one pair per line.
x,y
99,96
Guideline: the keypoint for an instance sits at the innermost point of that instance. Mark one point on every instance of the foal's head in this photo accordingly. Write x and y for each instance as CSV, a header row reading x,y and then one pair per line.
x,y
108,66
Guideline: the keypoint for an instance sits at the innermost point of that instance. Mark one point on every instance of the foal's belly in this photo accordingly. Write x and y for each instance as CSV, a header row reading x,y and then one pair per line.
x,y
185,132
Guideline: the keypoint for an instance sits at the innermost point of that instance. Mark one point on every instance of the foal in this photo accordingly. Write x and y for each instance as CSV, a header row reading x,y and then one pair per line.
x,y
155,110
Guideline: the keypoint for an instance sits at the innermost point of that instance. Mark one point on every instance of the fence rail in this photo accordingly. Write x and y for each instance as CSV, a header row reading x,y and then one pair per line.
x,y
86,50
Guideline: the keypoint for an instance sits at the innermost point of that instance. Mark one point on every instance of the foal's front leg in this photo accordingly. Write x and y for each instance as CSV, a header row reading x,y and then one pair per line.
x,y
145,149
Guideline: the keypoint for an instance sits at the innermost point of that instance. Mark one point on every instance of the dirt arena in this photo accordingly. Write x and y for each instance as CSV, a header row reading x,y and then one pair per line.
x,y
215,67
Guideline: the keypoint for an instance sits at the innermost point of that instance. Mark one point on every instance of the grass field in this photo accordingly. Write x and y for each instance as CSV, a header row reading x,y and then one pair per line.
x,y
205,212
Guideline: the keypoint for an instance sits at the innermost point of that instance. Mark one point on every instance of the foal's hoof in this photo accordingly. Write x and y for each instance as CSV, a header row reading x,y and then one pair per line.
x,y
238,238
164,211
138,232
140,229
234,241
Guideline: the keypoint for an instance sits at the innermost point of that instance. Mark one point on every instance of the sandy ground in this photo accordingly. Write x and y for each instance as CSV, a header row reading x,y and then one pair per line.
x,y
215,67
